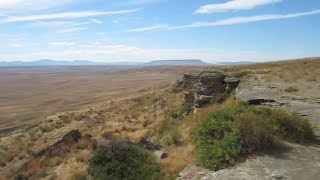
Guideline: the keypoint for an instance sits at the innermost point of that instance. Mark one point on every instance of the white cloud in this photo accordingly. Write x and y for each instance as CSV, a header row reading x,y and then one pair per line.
x,y
234,5
240,20
96,21
55,24
59,26
72,29
149,28
229,21
16,43
48,24
65,15
139,2
27,5
62,43
6,3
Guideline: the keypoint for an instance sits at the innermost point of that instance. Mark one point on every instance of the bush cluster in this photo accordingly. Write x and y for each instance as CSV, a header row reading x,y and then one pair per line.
x,y
238,130
123,161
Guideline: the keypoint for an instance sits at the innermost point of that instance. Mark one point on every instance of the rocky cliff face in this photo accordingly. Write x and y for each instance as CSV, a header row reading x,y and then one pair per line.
x,y
202,90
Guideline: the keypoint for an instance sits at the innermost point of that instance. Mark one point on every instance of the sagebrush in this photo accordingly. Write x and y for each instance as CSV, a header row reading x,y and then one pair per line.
x,y
237,130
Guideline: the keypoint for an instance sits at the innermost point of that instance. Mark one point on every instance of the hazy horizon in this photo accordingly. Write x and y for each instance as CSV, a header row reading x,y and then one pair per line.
x,y
148,60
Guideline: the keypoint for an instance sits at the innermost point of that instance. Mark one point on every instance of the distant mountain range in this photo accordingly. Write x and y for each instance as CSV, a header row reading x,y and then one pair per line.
x,y
182,62
185,62
49,62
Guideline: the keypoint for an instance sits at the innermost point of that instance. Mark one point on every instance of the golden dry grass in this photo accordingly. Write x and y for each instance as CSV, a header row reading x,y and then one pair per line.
x,y
281,71
182,154
31,93
130,117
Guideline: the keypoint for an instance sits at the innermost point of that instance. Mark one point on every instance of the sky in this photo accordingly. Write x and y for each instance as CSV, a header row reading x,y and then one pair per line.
x,y
145,30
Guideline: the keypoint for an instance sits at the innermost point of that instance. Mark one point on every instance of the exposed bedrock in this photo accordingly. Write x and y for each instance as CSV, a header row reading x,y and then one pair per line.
x,y
202,90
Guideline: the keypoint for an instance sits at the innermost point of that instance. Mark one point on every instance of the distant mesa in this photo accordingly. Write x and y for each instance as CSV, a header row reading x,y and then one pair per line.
x,y
187,62
235,63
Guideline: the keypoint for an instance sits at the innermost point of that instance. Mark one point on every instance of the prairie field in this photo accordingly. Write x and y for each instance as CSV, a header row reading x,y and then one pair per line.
x,y
30,93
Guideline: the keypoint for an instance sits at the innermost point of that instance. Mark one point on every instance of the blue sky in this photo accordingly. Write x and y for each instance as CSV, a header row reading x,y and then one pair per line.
x,y
144,30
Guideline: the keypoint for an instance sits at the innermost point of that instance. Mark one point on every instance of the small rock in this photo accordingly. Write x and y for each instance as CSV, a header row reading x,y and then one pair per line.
x,y
185,114
196,110
277,175
160,154
149,145
132,120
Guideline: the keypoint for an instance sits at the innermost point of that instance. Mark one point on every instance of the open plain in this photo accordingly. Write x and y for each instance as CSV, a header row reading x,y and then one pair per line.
x,y
30,93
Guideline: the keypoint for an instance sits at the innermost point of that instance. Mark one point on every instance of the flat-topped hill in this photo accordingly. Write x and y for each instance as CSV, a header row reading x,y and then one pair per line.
x,y
186,62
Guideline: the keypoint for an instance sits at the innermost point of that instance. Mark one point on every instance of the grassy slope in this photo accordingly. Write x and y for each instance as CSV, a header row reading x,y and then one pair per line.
x,y
136,118
280,71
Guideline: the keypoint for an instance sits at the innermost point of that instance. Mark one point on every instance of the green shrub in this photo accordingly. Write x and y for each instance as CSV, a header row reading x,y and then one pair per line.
x,y
216,139
123,162
291,127
255,133
238,130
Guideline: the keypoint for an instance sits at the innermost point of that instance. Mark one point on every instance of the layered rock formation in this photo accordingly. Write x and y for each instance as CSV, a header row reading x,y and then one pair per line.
x,y
202,90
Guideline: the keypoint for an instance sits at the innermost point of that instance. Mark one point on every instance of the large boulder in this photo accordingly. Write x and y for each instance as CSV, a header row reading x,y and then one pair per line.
x,y
210,84
204,89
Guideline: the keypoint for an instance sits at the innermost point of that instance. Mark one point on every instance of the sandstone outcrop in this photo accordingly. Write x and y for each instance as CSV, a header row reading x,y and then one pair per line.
x,y
67,144
71,137
201,90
